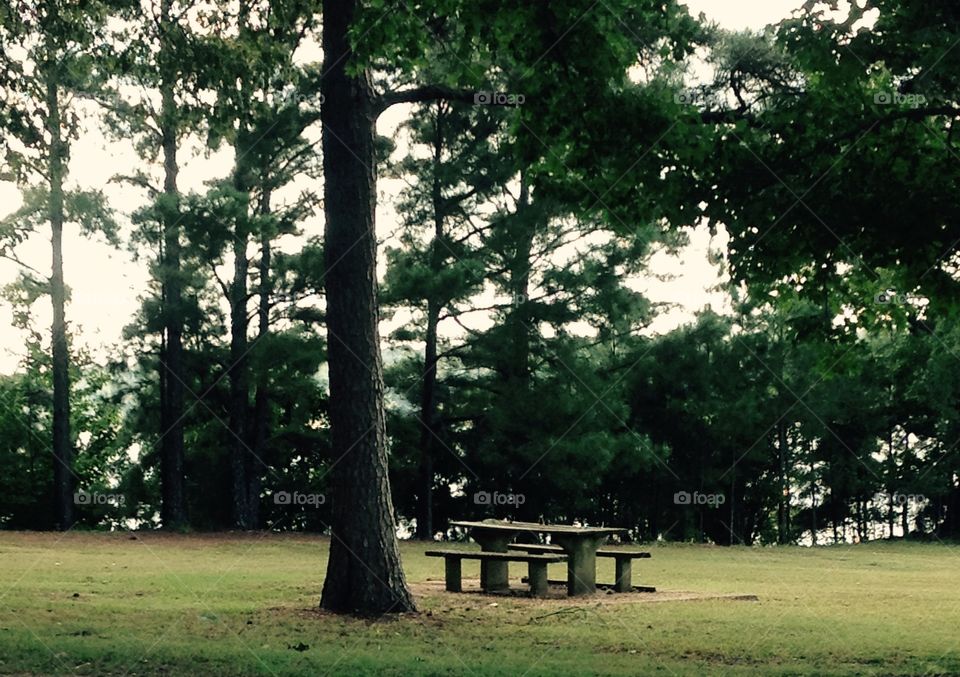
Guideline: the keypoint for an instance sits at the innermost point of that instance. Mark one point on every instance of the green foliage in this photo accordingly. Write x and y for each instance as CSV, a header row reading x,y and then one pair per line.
x,y
823,146
25,432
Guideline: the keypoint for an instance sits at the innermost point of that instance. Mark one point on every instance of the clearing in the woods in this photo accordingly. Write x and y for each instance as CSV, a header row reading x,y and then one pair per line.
x,y
98,603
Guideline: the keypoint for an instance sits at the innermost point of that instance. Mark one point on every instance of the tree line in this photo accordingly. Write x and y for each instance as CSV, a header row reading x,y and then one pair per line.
x,y
547,151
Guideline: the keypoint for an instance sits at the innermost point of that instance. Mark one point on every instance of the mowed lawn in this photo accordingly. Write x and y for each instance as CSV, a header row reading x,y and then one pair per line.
x,y
95,604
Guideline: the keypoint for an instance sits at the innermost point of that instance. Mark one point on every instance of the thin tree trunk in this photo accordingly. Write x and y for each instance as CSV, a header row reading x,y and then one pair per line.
x,y
891,489
428,386
519,352
428,419
783,500
240,456
518,322
733,501
905,517
813,503
890,515
261,404
173,510
62,444
364,574
239,390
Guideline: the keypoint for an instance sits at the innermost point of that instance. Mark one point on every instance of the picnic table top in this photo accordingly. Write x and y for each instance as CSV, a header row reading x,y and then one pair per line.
x,y
503,525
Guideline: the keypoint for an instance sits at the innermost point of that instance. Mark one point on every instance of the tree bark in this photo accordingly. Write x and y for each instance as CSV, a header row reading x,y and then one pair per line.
x,y
364,574
62,445
172,511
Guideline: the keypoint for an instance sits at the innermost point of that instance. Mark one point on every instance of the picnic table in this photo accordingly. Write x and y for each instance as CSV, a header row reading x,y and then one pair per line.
x,y
579,543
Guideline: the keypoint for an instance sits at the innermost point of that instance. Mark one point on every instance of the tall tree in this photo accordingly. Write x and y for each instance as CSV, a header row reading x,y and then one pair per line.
x,y
156,63
439,265
173,511
45,64
841,115
265,127
547,45
363,573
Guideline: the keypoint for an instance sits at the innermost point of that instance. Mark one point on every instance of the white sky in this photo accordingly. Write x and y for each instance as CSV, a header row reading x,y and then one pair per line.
x,y
106,284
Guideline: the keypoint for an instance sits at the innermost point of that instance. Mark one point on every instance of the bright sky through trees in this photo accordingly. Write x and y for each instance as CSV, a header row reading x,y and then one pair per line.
x,y
105,283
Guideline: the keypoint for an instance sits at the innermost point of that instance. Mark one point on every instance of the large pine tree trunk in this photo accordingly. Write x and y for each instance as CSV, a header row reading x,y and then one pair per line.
x,y
62,445
172,510
364,574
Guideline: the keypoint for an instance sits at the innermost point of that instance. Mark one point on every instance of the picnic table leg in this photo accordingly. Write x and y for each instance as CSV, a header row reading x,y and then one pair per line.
x,y
581,562
453,571
624,582
494,576
537,575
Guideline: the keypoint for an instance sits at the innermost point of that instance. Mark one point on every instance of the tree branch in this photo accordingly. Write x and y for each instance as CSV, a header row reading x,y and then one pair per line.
x,y
137,180
27,266
432,93
224,287
421,95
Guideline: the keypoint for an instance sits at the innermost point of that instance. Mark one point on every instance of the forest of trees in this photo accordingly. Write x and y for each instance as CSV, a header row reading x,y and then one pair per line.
x,y
547,151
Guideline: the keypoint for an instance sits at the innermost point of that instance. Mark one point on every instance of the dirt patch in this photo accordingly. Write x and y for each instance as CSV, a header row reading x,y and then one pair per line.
x,y
558,593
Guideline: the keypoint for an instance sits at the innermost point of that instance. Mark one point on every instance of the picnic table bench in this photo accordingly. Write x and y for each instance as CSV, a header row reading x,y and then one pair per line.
x,y
622,559
536,571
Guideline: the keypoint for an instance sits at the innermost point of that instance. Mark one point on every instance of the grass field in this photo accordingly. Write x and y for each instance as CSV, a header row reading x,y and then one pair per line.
x,y
94,604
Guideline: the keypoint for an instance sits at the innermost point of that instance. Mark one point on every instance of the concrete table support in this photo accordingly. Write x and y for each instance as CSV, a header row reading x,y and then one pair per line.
x,y
453,573
581,562
494,576
539,584
624,580
537,576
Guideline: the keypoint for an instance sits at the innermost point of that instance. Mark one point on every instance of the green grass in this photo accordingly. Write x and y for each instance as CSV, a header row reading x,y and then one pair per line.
x,y
95,604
